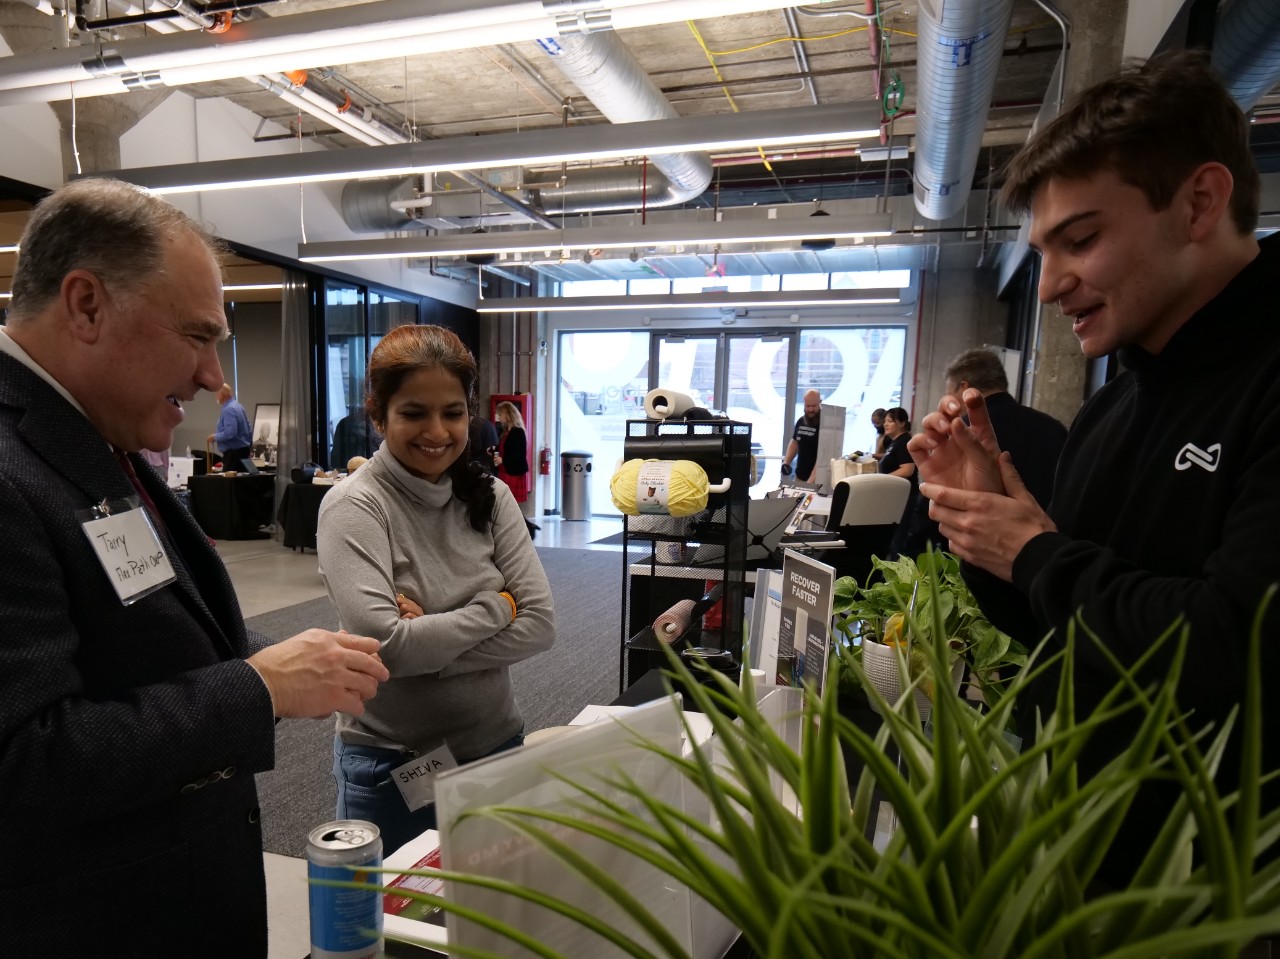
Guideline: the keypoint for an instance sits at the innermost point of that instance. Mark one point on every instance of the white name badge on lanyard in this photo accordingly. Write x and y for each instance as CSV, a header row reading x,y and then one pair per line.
x,y
416,779
128,548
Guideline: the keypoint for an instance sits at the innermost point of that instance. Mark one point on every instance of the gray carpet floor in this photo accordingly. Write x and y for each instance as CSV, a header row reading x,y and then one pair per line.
x,y
581,668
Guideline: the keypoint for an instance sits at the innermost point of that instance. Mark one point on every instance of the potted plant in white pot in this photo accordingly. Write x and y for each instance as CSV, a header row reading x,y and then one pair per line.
x,y
993,852
884,624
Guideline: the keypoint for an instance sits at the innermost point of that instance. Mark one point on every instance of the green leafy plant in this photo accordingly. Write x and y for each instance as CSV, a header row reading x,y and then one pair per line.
x,y
881,610
993,850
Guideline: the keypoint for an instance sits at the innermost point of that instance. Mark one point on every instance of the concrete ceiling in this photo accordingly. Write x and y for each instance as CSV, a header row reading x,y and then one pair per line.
x,y
709,64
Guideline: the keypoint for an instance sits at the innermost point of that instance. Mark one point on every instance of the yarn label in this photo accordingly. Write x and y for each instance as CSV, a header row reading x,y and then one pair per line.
x,y
653,484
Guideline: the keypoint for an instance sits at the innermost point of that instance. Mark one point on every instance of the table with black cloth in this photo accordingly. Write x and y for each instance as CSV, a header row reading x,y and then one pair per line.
x,y
299,508
233,507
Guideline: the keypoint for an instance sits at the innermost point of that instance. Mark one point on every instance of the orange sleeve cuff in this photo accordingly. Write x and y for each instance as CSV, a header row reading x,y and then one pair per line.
x,y
512,600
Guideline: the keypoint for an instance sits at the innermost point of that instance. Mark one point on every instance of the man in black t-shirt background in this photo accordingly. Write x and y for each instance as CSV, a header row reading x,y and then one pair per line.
x,y
804,440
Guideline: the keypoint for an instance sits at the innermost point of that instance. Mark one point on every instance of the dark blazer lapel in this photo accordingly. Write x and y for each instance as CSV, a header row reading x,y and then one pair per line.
x,y
65,439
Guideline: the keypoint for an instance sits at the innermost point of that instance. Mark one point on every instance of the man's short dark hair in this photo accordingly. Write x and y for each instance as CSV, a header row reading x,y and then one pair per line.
x,y
981,369
1153,124
112,229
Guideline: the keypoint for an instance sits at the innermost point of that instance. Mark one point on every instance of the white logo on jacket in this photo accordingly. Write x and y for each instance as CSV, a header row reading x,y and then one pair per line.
x,y
1192,455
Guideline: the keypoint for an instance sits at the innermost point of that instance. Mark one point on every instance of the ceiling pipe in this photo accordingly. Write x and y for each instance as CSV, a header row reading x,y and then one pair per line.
x,y
608,74
387,29
959,51
1246,49
798,51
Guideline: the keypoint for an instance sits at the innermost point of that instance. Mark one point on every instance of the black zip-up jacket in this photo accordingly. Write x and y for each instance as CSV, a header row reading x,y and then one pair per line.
x,y
1167,503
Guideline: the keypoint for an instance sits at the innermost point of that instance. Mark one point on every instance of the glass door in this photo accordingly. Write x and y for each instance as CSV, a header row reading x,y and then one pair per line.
x,y
755,391
687,364
346,427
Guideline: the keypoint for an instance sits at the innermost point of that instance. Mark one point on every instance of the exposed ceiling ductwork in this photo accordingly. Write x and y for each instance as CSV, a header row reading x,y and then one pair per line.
x,y
610,76
961,43
1246,49
384,30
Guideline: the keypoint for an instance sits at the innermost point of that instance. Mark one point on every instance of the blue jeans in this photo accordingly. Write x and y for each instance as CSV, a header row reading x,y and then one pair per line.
x,y
366,790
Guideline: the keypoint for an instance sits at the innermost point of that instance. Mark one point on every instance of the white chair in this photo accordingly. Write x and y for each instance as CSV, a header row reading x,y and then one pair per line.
x,y
865,511
869,499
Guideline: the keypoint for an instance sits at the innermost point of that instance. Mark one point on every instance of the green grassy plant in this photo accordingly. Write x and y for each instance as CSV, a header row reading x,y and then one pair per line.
x,y
995,851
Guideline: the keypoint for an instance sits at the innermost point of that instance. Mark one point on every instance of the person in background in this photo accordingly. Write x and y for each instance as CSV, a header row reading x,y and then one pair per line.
x,y
233,435
804,440
158,460
424,550
483,443
132,722
513,451
1034,439
353,435
1143,197
877,420
897,462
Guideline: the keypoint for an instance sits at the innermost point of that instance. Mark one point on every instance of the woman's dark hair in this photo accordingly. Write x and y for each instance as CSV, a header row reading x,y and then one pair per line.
x,y
407,349
899,415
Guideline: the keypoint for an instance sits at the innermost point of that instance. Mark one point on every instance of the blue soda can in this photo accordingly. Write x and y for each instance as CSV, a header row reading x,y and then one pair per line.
x,y
345,923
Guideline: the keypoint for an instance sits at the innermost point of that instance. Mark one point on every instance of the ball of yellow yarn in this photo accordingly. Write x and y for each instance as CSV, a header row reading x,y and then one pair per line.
x,y
665,487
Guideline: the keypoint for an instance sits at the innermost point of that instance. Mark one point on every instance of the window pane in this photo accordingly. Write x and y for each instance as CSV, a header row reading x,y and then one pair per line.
x,y
696,284
603,381
757,384
593,288
347,433
872,280
859,369
805,281
688,364
649,287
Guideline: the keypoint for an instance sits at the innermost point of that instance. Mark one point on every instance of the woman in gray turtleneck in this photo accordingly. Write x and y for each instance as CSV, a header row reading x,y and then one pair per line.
x,y
424,551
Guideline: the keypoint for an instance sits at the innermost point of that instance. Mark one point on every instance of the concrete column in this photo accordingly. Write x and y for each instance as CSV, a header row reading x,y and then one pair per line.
x,y
98,121
1097,44
960,313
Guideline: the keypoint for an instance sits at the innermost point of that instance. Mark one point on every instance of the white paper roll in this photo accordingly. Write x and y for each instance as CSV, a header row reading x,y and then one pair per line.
x,y
662,403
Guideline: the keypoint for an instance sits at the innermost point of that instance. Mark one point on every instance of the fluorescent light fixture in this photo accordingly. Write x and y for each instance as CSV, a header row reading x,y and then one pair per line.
x,y
5,296
722,233
9,249
685,301
246,287
607,141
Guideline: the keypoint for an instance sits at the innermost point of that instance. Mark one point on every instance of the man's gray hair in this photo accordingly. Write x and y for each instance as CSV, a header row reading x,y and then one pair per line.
x,y
981,369
112,229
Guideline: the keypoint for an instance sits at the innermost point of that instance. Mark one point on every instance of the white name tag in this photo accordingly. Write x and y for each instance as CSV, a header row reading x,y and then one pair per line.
x,y
416,779
129,550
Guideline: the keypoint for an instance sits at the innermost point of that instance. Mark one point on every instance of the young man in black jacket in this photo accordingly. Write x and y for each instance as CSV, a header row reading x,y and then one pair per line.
x,y
1143,199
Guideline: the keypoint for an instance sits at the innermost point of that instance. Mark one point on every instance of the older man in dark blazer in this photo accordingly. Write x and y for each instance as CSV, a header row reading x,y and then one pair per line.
x,y
134,706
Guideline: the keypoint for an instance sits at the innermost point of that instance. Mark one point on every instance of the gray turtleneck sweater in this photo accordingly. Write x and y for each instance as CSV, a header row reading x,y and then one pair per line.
x,y
384,531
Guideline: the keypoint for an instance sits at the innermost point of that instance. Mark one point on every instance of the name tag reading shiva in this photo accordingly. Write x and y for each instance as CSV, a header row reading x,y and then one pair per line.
x,y
128,548
416,779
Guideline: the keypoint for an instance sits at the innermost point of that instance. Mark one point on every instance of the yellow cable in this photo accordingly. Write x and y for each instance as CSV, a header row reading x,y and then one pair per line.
x,y
711,59
828,36
723,83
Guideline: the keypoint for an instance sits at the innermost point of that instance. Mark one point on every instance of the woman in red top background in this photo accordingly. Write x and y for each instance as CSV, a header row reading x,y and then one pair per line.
x,y
513,451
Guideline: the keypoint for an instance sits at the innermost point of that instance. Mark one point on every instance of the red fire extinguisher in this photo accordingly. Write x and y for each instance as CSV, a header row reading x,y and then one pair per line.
x,y
544,461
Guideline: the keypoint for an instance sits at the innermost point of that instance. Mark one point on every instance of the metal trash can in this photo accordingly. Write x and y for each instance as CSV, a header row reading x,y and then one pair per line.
x,y
575,485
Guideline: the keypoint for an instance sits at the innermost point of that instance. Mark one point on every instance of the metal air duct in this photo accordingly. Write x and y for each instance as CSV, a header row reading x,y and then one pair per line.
x,y
609,75
959,50
1246,49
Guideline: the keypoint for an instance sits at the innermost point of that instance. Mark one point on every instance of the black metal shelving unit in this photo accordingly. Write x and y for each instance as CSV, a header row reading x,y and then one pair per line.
x,y
678,558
